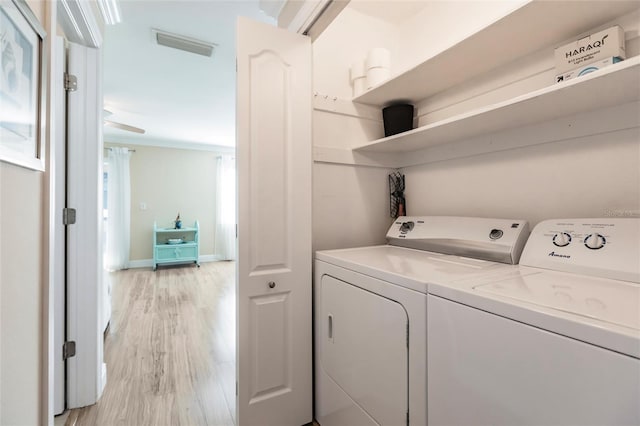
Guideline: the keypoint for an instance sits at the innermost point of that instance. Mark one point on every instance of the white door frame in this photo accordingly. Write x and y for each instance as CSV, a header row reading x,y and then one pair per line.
x,y
53,121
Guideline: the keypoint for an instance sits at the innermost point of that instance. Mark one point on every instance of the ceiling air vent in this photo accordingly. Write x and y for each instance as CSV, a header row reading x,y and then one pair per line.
x,y
187,44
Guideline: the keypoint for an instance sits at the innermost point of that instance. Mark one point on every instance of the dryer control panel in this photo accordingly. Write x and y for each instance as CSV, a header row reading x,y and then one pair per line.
x,y
602,247
500,240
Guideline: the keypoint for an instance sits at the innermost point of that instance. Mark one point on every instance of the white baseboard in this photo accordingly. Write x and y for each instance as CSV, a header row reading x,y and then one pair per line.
x,y
210,258
144,263
103,382
148,263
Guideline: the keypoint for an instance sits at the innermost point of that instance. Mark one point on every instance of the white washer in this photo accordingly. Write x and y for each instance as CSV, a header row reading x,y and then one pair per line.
x,y
370,313
555,341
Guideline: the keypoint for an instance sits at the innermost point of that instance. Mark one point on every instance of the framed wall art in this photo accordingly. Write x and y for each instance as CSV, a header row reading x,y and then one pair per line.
x,y
22,91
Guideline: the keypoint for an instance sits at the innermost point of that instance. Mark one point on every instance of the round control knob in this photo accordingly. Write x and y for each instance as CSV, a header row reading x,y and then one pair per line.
x,y
561,239
406,227
496,234
594,241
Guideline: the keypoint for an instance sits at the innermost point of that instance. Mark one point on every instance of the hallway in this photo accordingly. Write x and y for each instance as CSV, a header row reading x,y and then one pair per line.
x,y
170,349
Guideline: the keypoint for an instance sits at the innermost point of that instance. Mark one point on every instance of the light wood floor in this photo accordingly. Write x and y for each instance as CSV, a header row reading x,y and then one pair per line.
x,y
170,349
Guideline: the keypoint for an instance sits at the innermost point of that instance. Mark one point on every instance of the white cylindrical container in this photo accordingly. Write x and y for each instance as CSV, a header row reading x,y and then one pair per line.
x,y
378,57
359,86
358,77
376,76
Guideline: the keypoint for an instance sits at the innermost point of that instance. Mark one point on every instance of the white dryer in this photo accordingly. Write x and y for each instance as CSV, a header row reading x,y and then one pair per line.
x,y
555,341
370,309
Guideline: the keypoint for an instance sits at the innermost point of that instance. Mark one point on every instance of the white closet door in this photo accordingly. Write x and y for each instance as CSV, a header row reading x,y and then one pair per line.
x,y
364,349
86,374
274,368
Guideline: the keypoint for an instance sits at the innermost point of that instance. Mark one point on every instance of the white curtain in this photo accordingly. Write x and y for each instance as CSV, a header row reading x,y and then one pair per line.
x,y
118,209
225,245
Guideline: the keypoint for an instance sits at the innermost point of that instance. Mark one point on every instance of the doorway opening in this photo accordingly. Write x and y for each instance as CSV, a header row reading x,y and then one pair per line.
x,y
289,379
171,335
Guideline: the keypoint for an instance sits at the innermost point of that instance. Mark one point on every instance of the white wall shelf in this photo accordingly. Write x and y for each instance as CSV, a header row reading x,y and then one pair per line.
x,y
614,85
533,26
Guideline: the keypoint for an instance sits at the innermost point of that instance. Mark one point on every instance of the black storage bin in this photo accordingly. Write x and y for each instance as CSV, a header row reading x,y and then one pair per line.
x,y
397,119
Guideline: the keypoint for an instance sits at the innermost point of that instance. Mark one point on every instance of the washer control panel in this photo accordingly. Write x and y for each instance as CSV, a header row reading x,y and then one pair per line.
x,y
603,247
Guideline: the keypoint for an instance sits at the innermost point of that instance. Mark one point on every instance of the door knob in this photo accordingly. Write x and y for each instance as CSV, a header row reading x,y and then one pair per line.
x,y
272,284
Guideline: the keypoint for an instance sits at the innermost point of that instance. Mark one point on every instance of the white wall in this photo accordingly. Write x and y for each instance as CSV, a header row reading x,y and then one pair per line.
x,y
350,203
168,181
20,294
347,39
21,270
350,206
592,176
441,24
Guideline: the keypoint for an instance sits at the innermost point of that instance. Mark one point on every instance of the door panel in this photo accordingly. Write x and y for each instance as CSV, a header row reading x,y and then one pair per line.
x,y
270,197
365,350
270,345
86,376
274,369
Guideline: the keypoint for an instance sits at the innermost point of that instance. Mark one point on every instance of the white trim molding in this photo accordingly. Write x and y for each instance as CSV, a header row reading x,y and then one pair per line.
x,y
298,16
309,17
110,10
79,22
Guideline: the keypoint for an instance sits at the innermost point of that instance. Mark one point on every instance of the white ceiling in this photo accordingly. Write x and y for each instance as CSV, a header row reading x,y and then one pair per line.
x,y
176,96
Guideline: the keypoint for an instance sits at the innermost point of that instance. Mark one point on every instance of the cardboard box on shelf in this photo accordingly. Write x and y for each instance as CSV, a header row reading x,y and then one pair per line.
x,y
602,45
586,69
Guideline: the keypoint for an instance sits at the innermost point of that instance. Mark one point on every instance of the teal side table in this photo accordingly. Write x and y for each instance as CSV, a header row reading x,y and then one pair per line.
x,y
172,246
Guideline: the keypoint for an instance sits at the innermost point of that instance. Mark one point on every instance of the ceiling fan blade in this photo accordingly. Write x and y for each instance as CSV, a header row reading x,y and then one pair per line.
x,y
124,127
